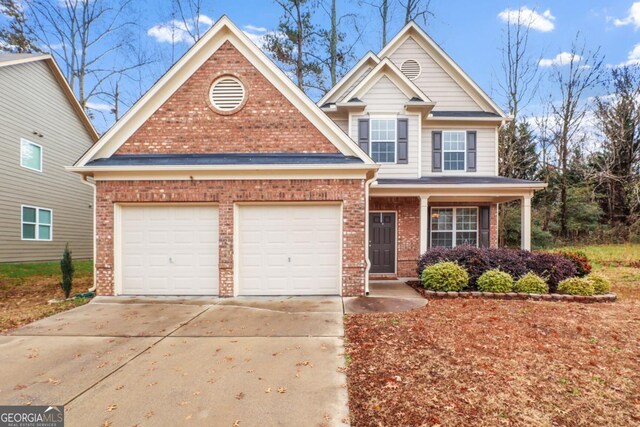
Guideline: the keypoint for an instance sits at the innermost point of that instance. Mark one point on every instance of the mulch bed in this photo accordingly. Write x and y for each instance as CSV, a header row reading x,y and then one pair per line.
x,y
480,362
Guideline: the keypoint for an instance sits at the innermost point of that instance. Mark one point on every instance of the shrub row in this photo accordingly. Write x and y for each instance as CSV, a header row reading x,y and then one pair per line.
x,y
552,267
450,277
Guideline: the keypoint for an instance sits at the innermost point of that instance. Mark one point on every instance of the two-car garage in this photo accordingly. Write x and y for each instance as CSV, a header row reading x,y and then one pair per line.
x,y
279,249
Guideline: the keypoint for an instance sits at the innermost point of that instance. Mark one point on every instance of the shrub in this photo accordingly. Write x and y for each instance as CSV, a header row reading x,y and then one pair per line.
x,y
579,260
495,281
601,283
576,286
445,276
531,283
67,269
554,268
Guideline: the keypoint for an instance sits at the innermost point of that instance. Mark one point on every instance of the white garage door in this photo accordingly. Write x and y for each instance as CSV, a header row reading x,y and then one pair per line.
x,y
169,250
289,250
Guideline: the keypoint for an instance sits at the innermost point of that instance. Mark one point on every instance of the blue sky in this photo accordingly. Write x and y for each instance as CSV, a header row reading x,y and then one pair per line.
x,y
469,30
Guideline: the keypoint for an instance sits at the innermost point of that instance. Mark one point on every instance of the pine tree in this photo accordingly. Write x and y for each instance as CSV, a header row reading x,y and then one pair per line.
x,y
14,37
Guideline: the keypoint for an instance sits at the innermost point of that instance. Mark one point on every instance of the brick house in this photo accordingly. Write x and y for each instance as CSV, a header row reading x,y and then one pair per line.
x,y
226,179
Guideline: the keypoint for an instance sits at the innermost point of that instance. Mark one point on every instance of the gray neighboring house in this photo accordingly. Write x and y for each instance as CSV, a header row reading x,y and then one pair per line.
x,y
43,128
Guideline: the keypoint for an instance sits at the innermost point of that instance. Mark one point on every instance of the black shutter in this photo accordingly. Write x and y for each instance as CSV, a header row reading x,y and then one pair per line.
x,y
471,151
436,151
403,140
363,135
485,227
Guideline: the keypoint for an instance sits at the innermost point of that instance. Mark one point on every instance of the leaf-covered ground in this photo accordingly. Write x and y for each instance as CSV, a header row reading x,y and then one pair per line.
x,y
499,363
25,290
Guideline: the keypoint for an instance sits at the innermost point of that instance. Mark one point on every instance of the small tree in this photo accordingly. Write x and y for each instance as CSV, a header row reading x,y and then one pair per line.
x,y
66,266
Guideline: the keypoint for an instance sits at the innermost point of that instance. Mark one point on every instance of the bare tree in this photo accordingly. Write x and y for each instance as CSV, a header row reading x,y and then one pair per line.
x,y
581,72
416,9
383,11
617,168
15,37
295,44
192,18
89,38
339,52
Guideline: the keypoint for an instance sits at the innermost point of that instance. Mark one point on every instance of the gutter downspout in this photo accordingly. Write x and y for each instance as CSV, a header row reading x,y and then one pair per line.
x,y
367,184
93,185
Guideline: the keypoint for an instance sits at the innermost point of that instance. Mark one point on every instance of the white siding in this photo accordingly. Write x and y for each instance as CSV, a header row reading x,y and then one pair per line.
x,y
434,81
361,77
385,97
486,150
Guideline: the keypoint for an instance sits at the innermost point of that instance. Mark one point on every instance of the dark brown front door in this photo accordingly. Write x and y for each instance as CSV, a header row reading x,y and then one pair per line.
x,y
382,242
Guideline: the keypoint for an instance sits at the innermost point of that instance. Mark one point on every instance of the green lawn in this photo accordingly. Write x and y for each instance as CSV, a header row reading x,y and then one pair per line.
x,y
25,290
625,255
42,269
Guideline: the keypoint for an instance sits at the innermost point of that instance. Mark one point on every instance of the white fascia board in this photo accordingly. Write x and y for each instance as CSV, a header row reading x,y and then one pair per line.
x,y
271,167
369,56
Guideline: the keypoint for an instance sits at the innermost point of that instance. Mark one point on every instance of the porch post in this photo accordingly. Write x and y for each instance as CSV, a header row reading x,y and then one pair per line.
x,y
525,222
424,223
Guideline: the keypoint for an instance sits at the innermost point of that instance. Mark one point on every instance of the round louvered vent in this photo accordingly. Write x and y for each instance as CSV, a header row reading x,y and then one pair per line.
x,y
227,94
411,69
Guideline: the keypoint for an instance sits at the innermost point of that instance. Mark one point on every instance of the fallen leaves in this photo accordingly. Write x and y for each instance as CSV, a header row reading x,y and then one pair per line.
x,y
112,407
489,363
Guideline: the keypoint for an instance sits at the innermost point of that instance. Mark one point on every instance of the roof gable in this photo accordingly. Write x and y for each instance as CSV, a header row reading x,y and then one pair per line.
x,y
223,33
387,69
412,30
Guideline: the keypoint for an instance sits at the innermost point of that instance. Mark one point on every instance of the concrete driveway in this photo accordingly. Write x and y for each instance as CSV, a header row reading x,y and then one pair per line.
x,y
226,362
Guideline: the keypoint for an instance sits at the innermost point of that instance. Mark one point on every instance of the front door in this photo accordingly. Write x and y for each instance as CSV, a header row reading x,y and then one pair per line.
x,y
382,242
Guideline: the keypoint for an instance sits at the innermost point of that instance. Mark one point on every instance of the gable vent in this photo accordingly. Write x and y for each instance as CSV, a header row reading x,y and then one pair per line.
x,y
411,69
227,94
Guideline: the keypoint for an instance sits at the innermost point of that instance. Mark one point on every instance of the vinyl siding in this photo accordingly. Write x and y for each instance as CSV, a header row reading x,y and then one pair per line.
x,y
384,98
486,150
433,80
361,77
32,100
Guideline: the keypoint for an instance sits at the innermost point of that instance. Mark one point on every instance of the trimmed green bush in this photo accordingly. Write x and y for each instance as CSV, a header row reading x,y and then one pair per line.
x,y
576,286
495,281
601,283
445,276
531,283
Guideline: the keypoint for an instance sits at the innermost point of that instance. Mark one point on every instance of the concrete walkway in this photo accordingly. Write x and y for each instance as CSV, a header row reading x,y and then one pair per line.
x,y
385,296
160,362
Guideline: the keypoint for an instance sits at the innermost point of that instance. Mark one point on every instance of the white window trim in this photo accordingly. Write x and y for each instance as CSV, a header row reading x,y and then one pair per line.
x,y
454,230
24,141
395,142
37,223
464,169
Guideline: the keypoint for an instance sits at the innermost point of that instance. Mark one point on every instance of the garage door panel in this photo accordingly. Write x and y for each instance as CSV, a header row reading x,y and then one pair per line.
x,y
289,249
169,250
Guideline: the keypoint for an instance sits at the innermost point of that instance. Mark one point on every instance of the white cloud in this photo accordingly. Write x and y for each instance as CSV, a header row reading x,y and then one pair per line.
x,y
633,58
255,29
176,31
99,106
632,18
257,34
529,17
560,59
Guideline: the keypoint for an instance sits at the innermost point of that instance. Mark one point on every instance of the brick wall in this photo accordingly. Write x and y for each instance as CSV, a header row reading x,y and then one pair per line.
x,y
186,123
225,193
408,218
408,223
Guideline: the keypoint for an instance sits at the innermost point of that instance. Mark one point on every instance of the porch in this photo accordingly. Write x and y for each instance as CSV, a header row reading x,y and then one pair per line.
x,y
407,217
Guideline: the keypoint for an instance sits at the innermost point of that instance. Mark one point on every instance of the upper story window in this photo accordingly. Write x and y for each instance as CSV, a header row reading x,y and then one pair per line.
x,y
383,140
37,223
30,155
454,148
